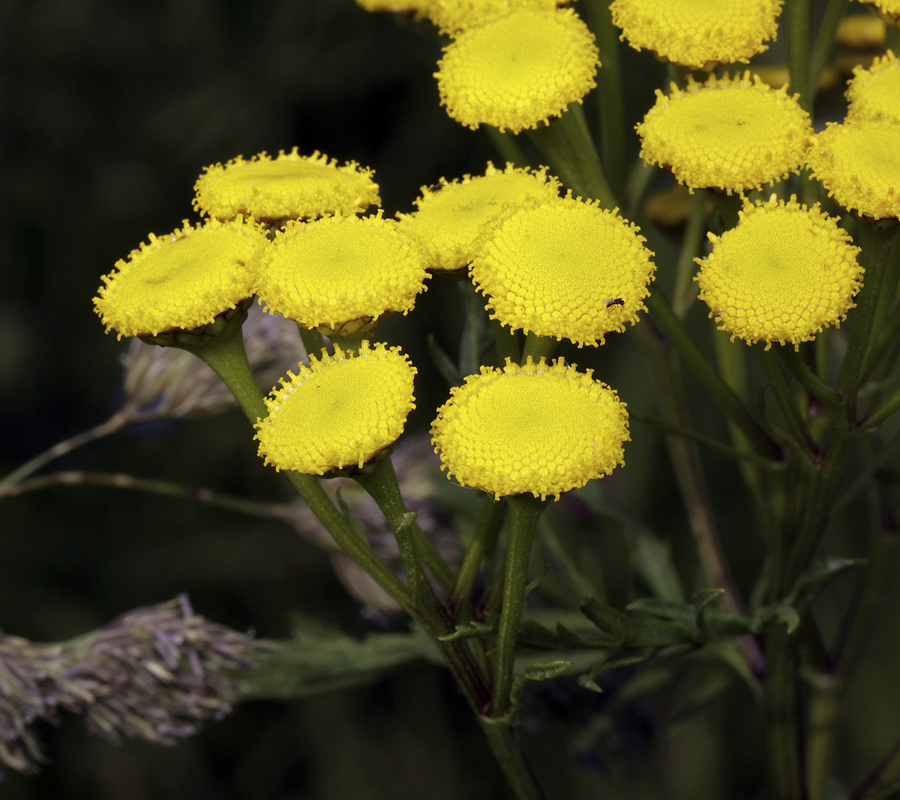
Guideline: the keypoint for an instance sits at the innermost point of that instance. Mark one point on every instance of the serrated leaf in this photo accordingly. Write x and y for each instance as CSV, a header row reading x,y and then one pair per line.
x,y
533,672
471,630
623,630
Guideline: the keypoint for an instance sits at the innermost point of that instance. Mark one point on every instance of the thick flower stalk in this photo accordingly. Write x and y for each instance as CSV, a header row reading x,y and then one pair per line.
x,y
518,71
183,280
289,186
339,274
697,33
538,428
341,411
731,134
451,215
564,269
781,275
858,162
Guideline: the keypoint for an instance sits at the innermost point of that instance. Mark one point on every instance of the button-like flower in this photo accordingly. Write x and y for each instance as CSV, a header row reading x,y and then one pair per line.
x,y
340,273
539,428
889,8
183,280
728,134
519,70
563,268
858,162
340,411
290,186
451,215
700,34
417,8
452,16
782,274
874,93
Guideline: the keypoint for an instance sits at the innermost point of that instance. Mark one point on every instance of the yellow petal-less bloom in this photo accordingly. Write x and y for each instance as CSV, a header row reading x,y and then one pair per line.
x,y
341,411
451,215
183,280
518,71
858,162
727,134
889,8
539,428
874,93
452,16
700,34
339,270
563,268
417,8
861,32
782,274
289,186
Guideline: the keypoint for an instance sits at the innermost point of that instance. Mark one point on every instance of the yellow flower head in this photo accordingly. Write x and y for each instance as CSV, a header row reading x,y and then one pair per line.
x,y
519,70
700,34
452,16
563,268
728,134
539,428
340,411
874,93
782,274
183,280
890,9
859,164
339,270
451,214
290,186
417,8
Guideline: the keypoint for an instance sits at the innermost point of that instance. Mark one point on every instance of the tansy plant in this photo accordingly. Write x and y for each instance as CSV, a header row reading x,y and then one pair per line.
x,y
705,494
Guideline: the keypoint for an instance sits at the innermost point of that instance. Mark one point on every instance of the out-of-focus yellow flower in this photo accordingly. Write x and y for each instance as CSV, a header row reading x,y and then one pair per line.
x,y
874,93
289,186
700,34
340,411
539,428
451,214
563,268
518,71
889,8
778,76
731,134
417,8
338,274
782,274
452,16
858,162
861,32
183,280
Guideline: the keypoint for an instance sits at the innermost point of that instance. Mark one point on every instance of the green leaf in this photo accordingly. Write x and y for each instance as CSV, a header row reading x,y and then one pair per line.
x,y
780,613
533,672
816,577
624,630
471,630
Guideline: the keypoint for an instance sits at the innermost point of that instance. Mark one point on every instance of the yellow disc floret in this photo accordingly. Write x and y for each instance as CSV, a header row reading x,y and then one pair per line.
x,y
518,71
540,428
452,16
874,93
563,268
183,280
341,411
290,186
889,8
700,34
859,164
728,134
337,270
451,214
782,274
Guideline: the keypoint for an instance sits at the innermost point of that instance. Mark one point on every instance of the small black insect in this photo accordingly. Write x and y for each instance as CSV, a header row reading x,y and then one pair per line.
x,y
618,301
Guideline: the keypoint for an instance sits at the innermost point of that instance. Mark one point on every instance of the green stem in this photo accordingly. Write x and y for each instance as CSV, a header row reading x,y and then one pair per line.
x,y
381,483
806,377
609,93
882,413
226,355
661,313
834,11
313,341
484,538
685,290
524,512
508,752
798,24
781,714
804,441
884,782
507,145
538,347
567,145
875,239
